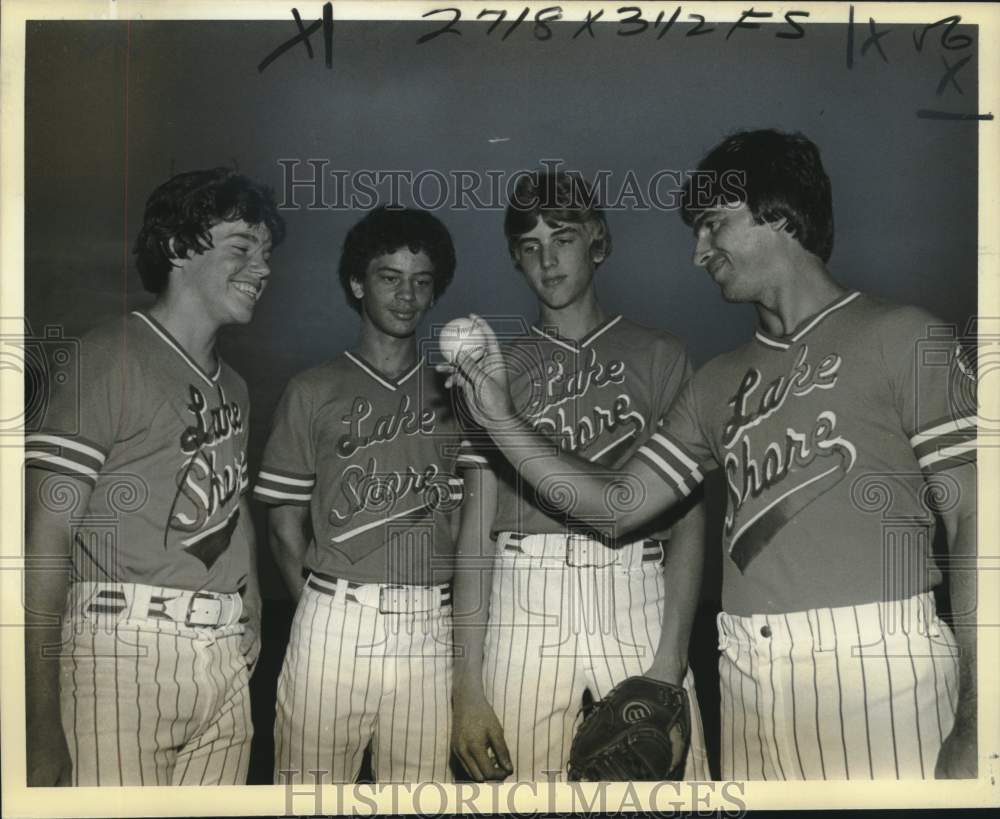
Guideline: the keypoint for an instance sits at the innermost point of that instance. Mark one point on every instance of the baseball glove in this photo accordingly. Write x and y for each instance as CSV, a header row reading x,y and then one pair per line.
x,y
639,731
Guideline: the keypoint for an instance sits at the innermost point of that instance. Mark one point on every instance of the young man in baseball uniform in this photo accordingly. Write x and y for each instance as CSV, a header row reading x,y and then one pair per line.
x,y
139,479
834,664
358,472
571,611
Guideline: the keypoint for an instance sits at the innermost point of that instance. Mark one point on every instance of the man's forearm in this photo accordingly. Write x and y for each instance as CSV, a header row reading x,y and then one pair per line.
x,y
473,579
962,587
471,612
288,546
596,496
682,589
290,566
251,594
45,595
46,582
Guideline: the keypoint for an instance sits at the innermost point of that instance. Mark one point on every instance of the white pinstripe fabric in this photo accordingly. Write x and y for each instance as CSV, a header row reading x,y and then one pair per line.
x,y
152,702
807,703
556,631
352,675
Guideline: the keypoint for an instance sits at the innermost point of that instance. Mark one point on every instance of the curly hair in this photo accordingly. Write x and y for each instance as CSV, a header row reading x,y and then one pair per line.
x,y
383,231
777,175
180,213
553,197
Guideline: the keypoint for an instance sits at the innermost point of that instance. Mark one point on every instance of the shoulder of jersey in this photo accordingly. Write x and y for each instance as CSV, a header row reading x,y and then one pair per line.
x,y
871,320
330,372
117,333
633,333
875,311
118,338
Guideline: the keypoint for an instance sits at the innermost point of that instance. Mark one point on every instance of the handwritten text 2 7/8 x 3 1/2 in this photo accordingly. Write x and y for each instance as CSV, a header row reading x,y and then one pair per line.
x,y
631,21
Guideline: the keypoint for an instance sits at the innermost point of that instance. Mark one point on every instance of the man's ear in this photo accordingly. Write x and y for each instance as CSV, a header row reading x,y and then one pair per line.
x,y
357,288
780,224
597,244
515,258
175,258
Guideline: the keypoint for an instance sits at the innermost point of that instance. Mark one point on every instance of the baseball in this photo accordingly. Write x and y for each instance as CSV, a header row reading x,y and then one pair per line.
x,y
460,335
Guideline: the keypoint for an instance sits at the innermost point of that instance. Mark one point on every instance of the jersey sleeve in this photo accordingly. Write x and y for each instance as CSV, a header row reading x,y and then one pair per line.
x,y
244,471
288,469
472,455
934,385
672,371
678,451
83,407
476,450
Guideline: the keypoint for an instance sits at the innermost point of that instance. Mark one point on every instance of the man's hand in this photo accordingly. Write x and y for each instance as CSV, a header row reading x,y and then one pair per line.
x,y
482,377
49,763
959,755
477,739
250,641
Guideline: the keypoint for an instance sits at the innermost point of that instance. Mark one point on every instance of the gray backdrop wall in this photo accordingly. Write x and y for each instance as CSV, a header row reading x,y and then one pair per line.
x,y
113,109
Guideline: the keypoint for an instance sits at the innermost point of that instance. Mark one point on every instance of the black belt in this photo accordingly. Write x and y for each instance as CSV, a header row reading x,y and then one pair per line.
x,y
389,598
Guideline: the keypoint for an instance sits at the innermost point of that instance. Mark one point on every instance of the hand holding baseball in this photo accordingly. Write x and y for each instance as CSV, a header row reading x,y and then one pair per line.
x,y
476,365
461,335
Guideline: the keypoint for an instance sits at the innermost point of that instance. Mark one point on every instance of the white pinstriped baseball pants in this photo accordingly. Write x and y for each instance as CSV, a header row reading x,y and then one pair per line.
x,y
150,701
351,675
858,692
556,630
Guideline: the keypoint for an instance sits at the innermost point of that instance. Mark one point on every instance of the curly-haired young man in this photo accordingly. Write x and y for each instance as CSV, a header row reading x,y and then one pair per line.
x,y
160,612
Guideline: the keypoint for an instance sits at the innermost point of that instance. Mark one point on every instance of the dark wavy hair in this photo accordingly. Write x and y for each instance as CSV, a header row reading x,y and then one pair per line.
x,y
181,212
777,175
385,230
553,197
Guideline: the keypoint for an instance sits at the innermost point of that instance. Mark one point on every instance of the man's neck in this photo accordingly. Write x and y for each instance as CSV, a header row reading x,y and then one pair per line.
x,y
574,321
388,354
195,334
801,292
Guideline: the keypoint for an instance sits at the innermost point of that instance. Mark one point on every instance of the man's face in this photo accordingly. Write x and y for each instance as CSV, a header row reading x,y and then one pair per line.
x,y
229,278
557,261
397,290
737,252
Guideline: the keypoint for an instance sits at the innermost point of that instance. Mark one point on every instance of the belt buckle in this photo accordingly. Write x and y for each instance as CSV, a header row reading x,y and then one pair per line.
x,y
389,599
188,615
580,552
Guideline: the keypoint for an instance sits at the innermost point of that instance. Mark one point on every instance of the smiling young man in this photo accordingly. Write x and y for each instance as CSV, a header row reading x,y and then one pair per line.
x,y
834,663
139,478
358,474
569,612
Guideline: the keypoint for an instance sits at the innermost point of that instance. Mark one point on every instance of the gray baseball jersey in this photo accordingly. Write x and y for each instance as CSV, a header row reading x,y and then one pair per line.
x,y
162,444
818,434
373,457
599,397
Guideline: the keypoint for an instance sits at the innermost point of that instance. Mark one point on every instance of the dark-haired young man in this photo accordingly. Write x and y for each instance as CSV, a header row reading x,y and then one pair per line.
x,y
569,612
358,471
139,479
834,664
